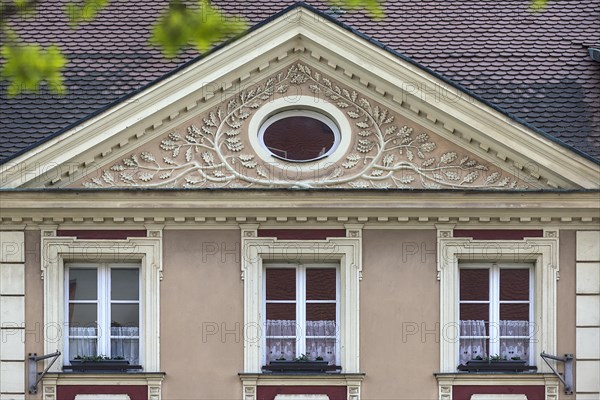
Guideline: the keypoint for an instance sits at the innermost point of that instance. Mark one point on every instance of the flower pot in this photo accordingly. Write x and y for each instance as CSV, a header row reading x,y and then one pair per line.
x,y
100,365
496,366
298,366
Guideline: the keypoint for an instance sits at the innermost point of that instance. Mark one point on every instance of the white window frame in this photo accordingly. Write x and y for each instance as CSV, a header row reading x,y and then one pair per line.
x,y
301,302
145,250
541,251
103,301
494,301
346,251
280,105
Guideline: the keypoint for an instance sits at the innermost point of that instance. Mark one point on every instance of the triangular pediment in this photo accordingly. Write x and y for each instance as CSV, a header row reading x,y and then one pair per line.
x,y
398,125
378,147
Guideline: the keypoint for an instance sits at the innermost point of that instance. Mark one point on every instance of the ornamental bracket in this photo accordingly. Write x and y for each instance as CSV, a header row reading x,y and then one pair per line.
x,y
32,361
567,380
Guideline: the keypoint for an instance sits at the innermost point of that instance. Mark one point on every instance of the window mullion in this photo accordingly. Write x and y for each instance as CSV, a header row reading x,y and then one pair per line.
x,y
68,322
494,310
338,293
103,310
532,350
301,309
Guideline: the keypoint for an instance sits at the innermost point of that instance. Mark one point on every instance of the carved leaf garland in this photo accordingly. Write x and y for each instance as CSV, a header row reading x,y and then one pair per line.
x,y
383,154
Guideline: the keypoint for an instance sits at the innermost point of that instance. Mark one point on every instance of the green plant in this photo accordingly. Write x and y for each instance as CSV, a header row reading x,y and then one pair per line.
x,y
319,358
282,358
496,357
302,358
97,358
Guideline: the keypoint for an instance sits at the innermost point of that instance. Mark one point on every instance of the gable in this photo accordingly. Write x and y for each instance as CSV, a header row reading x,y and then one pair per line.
x,y
379,147
401,126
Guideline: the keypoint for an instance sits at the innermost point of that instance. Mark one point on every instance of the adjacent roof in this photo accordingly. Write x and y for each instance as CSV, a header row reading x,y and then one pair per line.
x,y
533,65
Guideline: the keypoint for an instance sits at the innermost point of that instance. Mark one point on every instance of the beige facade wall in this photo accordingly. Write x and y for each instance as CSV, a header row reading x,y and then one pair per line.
x,y
201,315
202,341
202,312
399,334
34,302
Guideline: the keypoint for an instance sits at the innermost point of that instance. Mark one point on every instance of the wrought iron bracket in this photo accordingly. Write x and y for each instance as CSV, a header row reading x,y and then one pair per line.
x,y
567,377
33,375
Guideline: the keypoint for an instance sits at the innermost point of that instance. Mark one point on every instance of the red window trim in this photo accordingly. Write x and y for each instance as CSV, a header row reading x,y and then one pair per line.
x,y
464,392
135,392
115,234
333,392
498,234
302,234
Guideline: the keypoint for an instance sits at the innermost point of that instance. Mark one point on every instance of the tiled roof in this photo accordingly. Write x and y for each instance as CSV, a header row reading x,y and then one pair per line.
x,y
533,65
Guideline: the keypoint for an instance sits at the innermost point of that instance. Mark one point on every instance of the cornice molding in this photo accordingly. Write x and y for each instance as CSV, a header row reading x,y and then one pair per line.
x,y
226,209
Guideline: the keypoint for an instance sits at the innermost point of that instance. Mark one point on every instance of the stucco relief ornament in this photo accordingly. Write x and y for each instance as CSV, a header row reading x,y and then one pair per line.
x,y
383,154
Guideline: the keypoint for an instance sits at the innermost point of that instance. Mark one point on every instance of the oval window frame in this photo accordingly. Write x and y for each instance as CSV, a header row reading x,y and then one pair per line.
x,y
300,103
309,113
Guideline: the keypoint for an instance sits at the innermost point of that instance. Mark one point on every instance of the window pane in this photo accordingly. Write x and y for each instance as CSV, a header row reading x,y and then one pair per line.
x,y
125,315
324,348
125,284
281,327
514,312
514,328
320,284
321,328
286,311
82,347
474,312
474,284
471,348
514,284
281,284
320,312
127,348
281,348
83,315
299,138
514,348
83,284
473,328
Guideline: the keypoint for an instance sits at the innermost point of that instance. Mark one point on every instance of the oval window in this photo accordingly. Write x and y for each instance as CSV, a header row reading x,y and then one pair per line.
x,y
299,136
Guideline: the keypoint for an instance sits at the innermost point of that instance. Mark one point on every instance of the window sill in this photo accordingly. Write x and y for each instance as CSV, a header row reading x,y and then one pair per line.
x,y
109,378
496,378
319,367
333,378
496,367
102,367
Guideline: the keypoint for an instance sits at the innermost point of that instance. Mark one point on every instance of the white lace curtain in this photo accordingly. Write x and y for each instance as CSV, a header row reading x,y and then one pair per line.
x,y
124,343
471,346
473,342
321,346
519,346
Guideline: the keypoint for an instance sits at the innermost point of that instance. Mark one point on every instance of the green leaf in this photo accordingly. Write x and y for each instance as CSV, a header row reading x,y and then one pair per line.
x,y
27,66
200,27
83,12
373,7
538,5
